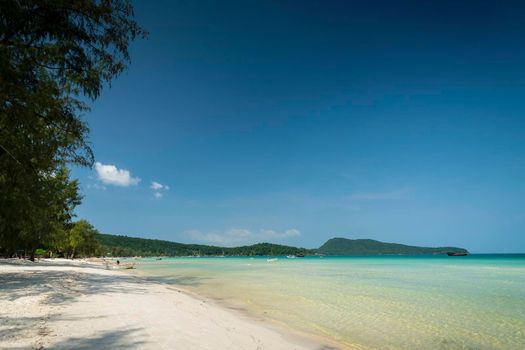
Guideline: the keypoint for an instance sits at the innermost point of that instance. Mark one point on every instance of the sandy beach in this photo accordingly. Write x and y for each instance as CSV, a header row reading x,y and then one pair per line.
x,y
61,304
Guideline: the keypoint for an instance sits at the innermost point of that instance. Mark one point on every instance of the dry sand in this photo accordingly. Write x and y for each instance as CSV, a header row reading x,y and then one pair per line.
x,y
59,304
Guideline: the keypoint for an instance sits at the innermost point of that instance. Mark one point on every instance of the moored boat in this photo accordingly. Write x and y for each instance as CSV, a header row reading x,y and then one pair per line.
x,y
457,254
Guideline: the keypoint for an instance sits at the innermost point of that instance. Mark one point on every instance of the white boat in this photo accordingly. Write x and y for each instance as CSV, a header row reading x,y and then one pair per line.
x,y
291,256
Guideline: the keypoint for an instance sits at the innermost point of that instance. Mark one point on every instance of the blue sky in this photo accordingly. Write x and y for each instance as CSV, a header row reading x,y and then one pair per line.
x,y
297,121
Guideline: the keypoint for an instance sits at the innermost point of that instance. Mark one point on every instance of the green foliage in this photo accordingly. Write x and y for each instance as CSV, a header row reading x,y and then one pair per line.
x,y
36,211
53,54
41,253
77,239
266,249
131,246
344,246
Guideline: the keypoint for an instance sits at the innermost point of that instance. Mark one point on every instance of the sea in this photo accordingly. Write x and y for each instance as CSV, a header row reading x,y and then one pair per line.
x,y
370,302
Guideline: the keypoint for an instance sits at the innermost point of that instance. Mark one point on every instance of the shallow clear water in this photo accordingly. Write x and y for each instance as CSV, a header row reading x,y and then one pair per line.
x,y
428,302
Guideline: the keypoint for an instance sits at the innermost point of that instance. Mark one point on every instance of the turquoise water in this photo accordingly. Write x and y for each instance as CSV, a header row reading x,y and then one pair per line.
x,y
430,302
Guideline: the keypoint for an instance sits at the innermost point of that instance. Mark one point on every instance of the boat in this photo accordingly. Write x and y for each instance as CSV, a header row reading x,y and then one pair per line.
x,y
457,254
299,255
128,266
291,256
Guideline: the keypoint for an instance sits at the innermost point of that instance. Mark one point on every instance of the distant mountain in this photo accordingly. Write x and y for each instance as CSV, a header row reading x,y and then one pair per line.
x,y
344,246
131,246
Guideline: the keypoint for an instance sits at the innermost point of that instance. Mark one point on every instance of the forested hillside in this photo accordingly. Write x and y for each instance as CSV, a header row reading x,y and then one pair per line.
x,y
344,246
131,246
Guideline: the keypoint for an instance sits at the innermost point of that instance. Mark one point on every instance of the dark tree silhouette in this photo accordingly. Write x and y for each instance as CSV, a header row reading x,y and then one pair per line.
x,y
54,56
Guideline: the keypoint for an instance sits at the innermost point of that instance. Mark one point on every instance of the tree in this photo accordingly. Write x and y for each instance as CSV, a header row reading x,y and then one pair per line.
x,y
80,240
54,56
46,206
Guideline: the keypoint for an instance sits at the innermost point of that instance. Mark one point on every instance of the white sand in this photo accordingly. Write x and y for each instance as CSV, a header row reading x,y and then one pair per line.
x,y
59,304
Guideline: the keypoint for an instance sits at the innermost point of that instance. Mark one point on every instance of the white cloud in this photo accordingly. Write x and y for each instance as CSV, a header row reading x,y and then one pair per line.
x,y
236,236
156,186
111,175
97,186
230,237
271,234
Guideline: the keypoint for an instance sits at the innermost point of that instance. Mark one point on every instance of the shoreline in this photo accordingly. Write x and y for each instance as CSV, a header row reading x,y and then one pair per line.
x,y
61,304
295,335
295,332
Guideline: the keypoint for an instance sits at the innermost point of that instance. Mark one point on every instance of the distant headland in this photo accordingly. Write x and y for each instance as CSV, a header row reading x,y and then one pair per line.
x,y
345,246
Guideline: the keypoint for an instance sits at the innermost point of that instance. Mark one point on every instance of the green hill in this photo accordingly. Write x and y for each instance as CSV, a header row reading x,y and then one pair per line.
x,y
344,246
131,246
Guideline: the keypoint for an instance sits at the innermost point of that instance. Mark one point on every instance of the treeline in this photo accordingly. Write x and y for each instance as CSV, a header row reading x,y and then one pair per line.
x,y
77,240
54,57
267,249
130,246
71,240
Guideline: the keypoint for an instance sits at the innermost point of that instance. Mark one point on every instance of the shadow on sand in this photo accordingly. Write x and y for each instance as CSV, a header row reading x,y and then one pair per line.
x,y
65,286
119,339
58,287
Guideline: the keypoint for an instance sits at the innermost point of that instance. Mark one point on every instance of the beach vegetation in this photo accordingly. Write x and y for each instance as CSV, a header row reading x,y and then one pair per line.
x,y
41,253
76,240
56,56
